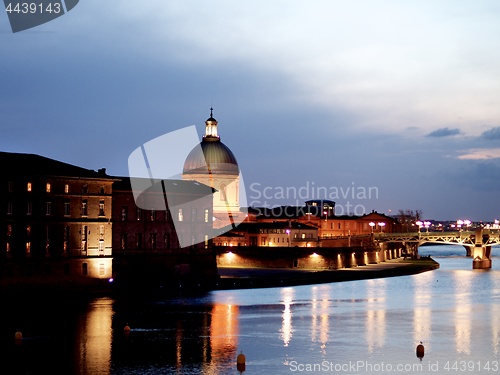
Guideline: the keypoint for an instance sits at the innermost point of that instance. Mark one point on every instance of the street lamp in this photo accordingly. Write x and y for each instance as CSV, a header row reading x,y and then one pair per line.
x,y
372,224
427,225
467,223
381,225
288,232
419,223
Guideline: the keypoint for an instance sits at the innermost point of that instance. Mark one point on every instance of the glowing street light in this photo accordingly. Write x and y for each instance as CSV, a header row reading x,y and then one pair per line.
x,y
372,224
427,224
467,223
381,225
420,224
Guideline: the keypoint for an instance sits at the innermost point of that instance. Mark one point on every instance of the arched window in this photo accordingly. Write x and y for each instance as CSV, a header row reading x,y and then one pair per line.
x,y
223,196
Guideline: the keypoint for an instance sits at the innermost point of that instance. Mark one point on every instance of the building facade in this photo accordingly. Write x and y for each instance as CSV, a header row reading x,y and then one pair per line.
x,y
56,221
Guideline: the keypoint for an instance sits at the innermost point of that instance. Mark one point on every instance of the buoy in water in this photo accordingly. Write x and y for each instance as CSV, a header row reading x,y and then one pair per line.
x,y
240,362
18,337
420,351
126,329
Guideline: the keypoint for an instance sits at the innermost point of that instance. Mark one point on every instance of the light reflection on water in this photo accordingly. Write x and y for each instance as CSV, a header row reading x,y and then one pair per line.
x,y
454,311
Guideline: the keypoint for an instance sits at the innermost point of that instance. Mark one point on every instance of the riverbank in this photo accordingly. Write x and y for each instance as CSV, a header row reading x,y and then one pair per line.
x,y
245,278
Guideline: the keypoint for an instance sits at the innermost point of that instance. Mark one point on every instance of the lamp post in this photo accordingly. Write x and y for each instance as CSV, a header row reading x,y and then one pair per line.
x,y
467,224
371,224
381,225
427,224
419,223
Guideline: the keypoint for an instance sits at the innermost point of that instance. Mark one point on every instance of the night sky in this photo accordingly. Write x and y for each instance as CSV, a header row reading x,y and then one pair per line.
x,y
397,100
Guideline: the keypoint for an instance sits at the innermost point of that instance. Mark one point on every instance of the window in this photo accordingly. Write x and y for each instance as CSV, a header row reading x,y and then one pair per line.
x,y
153,215
138,241
47,187
9,208
152,241
138,214
48,208
223,196
66,188
67,209
101,269
193,215
206,215
85,269
166,241
29,209
101,190
85,189
84,208
101,208
124,213
181,215
101,232
28,186
124,241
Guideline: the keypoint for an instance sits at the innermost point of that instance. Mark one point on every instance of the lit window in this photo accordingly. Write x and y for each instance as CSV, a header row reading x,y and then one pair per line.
x,y
153,215
66,188
28,187
47,188
84,208
206,215
181,215
101,208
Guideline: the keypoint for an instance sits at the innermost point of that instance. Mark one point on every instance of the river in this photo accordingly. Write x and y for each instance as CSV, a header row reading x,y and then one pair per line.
x,y
356,327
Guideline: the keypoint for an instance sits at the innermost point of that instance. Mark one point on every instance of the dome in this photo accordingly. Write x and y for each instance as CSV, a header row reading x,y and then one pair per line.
x,y
213,155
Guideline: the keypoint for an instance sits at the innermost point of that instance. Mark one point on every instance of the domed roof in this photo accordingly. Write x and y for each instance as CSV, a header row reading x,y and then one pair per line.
x,y
211,156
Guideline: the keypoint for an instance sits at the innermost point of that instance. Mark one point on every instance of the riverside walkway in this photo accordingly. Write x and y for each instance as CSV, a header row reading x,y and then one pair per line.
x,y
244,278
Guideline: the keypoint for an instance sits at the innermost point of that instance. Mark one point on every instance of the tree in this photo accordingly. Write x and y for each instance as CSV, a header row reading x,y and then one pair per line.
x,y
408,218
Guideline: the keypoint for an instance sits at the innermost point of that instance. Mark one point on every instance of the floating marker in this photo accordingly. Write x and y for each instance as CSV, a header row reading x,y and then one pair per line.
x,y
18,337
240,362
126,329
420,351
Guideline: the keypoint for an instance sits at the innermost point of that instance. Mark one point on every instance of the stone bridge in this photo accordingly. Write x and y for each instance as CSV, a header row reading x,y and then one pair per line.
x,y
477,243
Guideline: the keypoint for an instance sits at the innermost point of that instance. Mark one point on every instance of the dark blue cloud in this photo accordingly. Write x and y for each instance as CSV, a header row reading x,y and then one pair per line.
x,y
444,132
492,134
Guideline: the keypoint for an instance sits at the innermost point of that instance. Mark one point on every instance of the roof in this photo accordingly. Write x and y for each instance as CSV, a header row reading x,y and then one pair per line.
x,y
171,186
254,227
211,156
19,164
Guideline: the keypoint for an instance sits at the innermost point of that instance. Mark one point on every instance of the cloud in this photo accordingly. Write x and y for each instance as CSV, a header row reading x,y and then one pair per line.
x,y
493,133
444,132
481,154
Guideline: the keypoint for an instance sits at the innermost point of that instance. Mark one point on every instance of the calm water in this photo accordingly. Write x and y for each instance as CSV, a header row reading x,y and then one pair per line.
x,y
359,327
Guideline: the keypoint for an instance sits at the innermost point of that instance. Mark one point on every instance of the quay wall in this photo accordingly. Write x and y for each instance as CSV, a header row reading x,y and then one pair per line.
x,y
320,258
